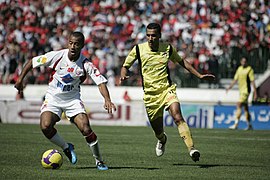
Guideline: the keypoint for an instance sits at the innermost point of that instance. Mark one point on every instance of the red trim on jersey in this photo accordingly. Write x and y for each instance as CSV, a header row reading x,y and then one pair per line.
x,y
82,78
53,70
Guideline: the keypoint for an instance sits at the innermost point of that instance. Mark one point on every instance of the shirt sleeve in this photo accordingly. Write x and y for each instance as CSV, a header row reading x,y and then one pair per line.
x,y
47,59
131,57
94,73
236,74
175,57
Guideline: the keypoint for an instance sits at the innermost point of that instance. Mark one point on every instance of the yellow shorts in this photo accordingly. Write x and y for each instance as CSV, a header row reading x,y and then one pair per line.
x,y
155,104
243,98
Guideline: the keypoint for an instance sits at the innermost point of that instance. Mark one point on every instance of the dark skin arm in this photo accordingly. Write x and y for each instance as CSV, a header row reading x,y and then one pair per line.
x,y
123,75
191,69
19,84
108,105
183,63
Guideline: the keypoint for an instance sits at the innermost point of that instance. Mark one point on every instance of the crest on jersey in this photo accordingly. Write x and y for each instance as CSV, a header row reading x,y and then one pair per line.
x,y
67,78
42,59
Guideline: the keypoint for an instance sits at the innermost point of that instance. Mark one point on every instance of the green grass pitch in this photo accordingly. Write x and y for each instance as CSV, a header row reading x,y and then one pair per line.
x,y
130,154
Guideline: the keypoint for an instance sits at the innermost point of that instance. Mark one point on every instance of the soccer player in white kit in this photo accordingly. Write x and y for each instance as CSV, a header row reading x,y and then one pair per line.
x,y
70,69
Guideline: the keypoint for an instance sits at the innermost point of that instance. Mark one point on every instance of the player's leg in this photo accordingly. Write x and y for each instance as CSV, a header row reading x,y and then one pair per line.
x,y
47,122
157,126
51,112
238,115
247,115
154,105
183,130
82,122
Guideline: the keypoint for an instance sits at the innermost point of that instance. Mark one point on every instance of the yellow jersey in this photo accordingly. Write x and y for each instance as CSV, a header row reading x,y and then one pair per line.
x,y
153,65
244,75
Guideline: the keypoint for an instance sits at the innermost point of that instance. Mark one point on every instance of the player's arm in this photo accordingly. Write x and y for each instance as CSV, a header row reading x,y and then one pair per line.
x,y
235,78
108,105
123,76
255,91
191,69
231,85
176,58
19,83
130,59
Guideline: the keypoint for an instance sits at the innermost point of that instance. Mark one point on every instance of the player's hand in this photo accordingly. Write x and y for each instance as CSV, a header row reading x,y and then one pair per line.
x,y
123,78
208,77
110,107
19,86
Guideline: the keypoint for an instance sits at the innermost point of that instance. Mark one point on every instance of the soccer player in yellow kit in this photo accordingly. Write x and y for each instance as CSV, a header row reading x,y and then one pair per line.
x,y
245,77
159,91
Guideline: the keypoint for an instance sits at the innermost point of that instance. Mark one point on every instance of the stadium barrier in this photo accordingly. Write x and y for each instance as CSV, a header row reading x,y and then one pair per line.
x,y
201,108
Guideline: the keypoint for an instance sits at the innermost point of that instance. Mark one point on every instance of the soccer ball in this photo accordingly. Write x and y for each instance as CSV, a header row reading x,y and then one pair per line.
x,y
52,159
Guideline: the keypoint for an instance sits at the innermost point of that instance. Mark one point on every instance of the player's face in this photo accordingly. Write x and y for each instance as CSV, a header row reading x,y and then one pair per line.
x,y
243,62
75,46
153,38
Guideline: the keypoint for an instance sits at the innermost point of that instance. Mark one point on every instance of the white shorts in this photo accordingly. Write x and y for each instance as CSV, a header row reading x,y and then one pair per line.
x,y
70,108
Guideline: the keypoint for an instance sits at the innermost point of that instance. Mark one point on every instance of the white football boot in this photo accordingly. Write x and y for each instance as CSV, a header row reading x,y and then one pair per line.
x,y
160,147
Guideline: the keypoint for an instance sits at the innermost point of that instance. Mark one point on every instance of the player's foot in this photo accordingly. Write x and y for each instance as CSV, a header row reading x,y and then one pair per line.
x,y
160,147
249,128
69,152
234,126
101,166
195,155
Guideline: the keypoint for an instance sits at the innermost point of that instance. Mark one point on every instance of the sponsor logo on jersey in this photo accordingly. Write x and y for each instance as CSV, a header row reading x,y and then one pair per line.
x,y
63,87
67,78
42,60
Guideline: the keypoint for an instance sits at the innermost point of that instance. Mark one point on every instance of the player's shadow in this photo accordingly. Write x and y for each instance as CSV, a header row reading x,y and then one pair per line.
x,y
126,167
198,165
214,165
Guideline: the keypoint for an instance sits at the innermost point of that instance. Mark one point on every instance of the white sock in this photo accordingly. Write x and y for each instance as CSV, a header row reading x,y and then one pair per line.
x,y
59,141
94,146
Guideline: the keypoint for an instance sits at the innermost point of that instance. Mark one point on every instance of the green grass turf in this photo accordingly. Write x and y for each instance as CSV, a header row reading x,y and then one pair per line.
x,y
130,154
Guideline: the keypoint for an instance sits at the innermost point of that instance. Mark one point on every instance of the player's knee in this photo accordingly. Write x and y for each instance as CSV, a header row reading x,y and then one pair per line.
x,y
45,125
90,137
178,119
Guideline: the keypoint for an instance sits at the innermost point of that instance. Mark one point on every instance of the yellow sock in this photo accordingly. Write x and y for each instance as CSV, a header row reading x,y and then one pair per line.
x,y
238,115
185,134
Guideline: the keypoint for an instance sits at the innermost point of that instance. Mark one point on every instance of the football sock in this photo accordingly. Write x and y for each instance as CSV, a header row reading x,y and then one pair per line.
x,y
94,146
185,134
247,117
92,142
161,137
59,141
238,115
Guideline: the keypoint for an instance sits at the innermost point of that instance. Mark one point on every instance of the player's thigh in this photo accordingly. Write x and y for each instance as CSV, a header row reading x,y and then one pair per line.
x,y
48,119
73,108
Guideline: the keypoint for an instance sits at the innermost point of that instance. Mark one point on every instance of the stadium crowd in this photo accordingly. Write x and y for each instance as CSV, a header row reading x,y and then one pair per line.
x,y
205,29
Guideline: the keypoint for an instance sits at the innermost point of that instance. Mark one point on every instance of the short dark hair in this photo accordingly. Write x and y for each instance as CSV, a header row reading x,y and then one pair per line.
x,y
154,26
79,35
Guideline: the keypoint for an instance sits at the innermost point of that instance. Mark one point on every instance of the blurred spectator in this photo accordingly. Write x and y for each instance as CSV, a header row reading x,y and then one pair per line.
x,y
225,30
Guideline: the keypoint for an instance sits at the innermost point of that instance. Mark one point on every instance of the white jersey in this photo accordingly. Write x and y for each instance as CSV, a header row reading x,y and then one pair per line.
x,y
67,75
